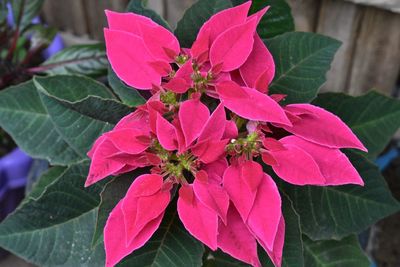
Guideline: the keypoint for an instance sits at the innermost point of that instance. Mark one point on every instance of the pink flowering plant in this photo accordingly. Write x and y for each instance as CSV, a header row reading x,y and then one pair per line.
x,y
207,151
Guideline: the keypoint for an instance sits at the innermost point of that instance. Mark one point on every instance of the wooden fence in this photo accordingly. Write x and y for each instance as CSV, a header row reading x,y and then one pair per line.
x,y
369,57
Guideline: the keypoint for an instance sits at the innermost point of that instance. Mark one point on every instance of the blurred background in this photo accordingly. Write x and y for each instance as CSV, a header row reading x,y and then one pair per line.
x,y
368,59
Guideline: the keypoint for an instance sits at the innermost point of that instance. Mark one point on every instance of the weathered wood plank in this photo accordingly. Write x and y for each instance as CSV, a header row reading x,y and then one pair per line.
x,y
392,5
175,10
376,61
305,13
339,20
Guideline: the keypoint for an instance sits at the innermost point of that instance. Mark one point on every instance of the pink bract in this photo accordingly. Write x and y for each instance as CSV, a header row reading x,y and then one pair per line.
x,y
201,134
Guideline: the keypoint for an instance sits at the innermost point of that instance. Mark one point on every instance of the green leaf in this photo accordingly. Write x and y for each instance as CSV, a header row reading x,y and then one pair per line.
x,y
373,117
24,11
136,6
171,245
76,125
331,253
56,229
128,95
195,16
302,60
88,60
48,125
277,20
47,178
333,212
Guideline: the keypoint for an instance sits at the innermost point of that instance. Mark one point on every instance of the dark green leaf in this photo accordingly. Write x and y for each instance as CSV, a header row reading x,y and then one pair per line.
x,y
56,228
171,245
373,117
136,6
128,95
302,60
343,253
195,16
333,212
47,178
78,59
44,125
78,127
24,11
112,193
277,20
3,11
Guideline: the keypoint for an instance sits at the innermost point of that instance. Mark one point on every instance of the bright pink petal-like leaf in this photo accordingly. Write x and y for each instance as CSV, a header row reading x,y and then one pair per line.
x,y
213,196
224,20
216,169
192,115
163,68
250,103
129,140
259,14
231,130
212,129
239,192
323,128
127,22
114,236
252,174
209,151
259,69
235,239
101,166
160,42
233,47
200,221
185,72
136,120
334,165
130,64
177,85
264,217
296,166
276,253
139,208
166,133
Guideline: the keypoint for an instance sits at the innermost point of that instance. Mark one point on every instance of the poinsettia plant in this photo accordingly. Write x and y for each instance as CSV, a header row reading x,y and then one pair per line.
x,y
204,151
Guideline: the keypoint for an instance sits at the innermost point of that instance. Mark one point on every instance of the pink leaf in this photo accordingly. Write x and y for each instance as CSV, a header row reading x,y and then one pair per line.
x,y
276,253
213,196
334,165
209,151
192,115
140,208
231,130
252,174
128,22
236,240
239,192
259,69
323,128
212,129
129,140
296,166
166,133
224,20
200,221
216,169
130,64
160,42
114,236
177,85
250,104
233,46
264,217
101,166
